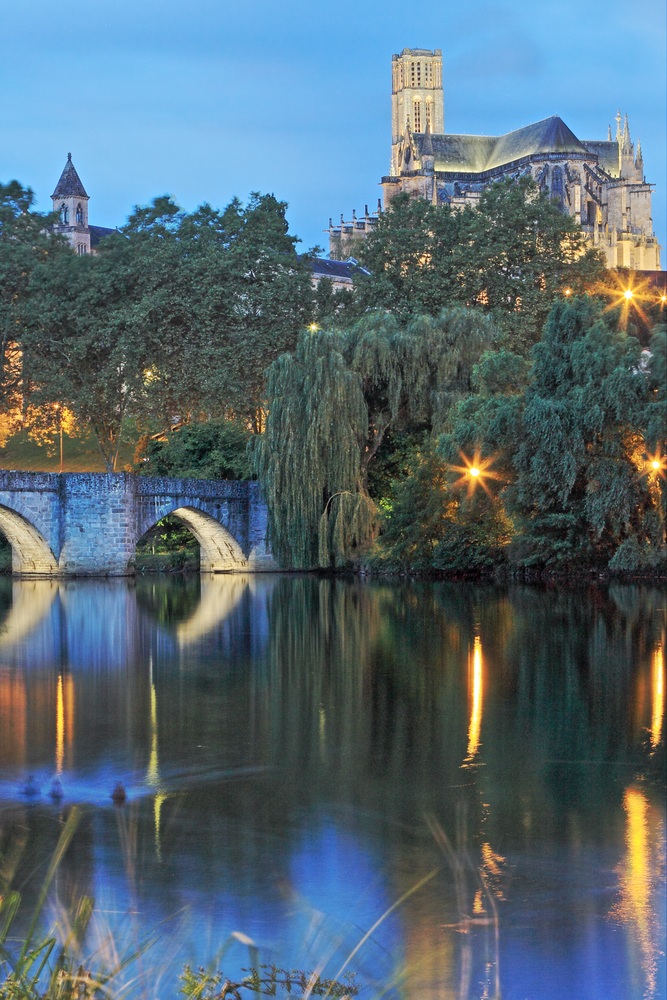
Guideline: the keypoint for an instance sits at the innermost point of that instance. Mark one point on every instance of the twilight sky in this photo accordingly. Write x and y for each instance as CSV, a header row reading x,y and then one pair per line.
x,y
211,99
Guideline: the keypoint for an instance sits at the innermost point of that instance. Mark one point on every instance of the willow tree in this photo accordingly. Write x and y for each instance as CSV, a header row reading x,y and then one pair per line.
x,y
332,403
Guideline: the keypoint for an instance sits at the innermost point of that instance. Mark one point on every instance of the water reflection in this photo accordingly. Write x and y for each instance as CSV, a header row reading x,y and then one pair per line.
x,y
30,602
300,754
658,696
218,597
477,684
641,877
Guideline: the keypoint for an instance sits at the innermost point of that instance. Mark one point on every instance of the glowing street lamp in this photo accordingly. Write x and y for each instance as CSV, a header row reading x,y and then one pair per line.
x,y
655,466
474,471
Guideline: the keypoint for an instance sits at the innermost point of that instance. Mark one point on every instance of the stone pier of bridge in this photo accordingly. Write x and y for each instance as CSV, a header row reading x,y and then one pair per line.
x,y
88,524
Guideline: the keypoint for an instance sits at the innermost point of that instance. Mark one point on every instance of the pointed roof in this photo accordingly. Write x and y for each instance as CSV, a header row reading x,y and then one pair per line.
x,y
551,135
480,153
427,142
69,183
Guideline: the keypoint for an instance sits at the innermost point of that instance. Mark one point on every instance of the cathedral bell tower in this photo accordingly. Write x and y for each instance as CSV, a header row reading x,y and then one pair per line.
x,y
417,99
70,201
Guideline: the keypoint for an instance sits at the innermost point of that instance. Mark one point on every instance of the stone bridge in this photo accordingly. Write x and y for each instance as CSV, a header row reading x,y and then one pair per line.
x,y
88,524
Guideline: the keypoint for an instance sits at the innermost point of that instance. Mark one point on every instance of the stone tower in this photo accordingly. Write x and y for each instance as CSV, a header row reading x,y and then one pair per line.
x,y
417,99
70,201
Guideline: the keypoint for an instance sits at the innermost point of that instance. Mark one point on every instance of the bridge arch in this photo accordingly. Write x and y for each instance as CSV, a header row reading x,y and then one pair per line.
x,y
219,550
31,553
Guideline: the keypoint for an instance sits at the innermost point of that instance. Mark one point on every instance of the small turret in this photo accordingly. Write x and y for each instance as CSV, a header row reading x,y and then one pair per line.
x,y
626,165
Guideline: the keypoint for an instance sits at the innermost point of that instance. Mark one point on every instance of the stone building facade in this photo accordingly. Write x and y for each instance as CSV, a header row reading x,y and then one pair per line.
x,y
70,201
600,183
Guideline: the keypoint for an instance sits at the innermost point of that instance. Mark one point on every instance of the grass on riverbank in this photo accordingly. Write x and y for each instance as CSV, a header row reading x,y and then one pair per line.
x,y
80,454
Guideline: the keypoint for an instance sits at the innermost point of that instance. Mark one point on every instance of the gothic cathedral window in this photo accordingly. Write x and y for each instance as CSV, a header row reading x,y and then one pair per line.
x,y
79,215
64,215
557,187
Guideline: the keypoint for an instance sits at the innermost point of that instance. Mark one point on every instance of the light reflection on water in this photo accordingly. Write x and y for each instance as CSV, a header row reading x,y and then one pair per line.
x,y
299,754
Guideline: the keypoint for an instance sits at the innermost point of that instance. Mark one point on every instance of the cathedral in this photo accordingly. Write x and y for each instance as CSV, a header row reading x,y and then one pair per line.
x,y
600,183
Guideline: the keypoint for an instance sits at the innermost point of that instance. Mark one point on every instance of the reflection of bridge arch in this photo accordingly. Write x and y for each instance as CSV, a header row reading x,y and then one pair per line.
x,y
31,553
31,602
219,597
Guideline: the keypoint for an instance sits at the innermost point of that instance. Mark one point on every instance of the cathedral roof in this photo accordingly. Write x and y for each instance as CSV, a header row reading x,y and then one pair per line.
x,y
551,135
478,153
607,154
69,183
327,268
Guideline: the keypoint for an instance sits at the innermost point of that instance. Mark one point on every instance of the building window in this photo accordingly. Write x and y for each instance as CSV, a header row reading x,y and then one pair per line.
x,y
79,215
412,73
64,215
429,120
557,186
82,249
418,116
419,74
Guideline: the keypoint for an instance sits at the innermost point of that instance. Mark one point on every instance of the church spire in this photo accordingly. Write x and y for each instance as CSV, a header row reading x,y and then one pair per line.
x,y
627,145
69,184
619,134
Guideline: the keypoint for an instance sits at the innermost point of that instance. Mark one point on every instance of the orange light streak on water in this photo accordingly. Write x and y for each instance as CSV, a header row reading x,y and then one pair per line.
x,y
474,729
60,726
641,884
658,694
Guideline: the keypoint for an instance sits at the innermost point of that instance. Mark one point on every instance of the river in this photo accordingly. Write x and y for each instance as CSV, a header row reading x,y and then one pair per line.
x,y
454,791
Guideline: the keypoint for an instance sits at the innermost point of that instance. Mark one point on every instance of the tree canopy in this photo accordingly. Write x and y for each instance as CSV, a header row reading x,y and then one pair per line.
x,y
573,452
26,241
510,254
174,319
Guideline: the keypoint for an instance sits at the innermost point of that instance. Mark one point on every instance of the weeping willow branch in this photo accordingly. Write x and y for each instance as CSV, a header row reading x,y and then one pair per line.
x,y
330,405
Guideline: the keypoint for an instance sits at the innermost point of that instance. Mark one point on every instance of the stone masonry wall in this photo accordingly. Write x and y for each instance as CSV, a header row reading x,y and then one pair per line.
x,y
89,523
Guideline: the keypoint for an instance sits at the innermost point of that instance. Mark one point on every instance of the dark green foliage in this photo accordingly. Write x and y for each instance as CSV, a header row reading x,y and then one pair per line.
x,y
215,449
511,255
581,487
26,241
428,526
331,405
414,515
333,307
311,448
79,346
572,448
177,317
220,295
167,547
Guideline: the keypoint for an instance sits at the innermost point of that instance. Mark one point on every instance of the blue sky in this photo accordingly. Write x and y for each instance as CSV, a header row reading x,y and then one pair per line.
x,y
211,99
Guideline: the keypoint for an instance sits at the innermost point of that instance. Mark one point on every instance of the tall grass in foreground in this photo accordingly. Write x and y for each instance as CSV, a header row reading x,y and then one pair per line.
x,y
38,965
49,966
52,965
